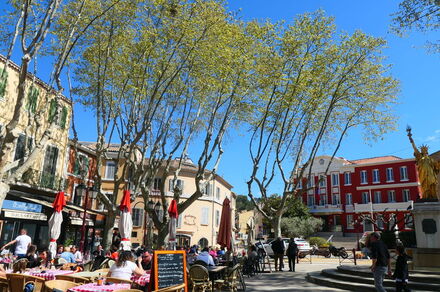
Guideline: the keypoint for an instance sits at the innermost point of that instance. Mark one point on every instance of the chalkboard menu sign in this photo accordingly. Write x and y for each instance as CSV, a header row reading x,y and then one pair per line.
x,y
169,268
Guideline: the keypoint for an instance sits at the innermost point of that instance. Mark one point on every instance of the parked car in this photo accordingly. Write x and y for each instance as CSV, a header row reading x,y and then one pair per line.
x,y
303,245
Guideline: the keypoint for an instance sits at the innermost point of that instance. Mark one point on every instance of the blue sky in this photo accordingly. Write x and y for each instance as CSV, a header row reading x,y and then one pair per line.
x,y
416,69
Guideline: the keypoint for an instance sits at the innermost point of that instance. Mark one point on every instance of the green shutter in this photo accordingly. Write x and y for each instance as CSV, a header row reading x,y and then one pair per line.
x,y
3,82
52,110
63,117
32,99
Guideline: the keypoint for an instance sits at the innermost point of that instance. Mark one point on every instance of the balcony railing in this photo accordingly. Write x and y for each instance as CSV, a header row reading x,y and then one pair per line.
x,y
392,206
327,208
40,179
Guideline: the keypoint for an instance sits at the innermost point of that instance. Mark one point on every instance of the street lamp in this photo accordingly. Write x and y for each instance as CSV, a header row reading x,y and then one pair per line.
x,y
85,191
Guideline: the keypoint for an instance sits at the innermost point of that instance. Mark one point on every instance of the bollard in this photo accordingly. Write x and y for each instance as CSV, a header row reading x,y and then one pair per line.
x,y
354,256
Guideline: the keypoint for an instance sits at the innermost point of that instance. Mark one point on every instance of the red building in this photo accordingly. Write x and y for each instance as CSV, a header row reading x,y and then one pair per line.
x,y
341,192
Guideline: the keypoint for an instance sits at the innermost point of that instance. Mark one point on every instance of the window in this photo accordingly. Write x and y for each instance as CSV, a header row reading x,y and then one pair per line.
x,y
20,148
377,197
350,222
311,181
348,199
217,218
405,195
179,184
49,167
322,180
217,194
205,216
137,215
335,179
208,189
3,82
347,178
390,175
157,183
32,99
336,199
380,223
310,200
323,200
376,178
81,166
403,173
110,169
365,198
52,110
391,196
364,179
300,185
409,221
77,197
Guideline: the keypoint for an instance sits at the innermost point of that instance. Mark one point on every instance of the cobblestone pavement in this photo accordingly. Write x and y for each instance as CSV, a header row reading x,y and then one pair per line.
x,y
293,281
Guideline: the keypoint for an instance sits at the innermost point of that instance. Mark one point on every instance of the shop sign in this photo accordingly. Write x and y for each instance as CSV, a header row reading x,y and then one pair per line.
x,y
21,206
26,215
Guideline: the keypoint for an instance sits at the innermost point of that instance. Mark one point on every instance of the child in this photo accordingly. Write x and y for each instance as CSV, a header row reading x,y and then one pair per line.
x,y
401,271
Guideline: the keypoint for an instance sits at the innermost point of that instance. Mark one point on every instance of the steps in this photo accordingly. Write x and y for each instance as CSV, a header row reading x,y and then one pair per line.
x,y
357,278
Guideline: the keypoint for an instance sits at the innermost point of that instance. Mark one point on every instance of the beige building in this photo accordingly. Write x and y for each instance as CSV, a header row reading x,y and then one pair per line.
x,y
28,202
250,218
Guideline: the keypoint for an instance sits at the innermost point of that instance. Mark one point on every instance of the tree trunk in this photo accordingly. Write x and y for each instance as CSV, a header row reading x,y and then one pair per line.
x,y
108,230
276,225
161,235
4,189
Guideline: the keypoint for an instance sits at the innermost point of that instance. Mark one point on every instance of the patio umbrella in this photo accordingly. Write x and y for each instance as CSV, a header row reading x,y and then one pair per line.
x,y
172,211
55,222
225,229
125,221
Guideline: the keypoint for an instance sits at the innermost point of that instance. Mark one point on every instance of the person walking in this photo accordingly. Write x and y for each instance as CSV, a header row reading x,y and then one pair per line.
x,y
292,250
278,253
22,243
381,261
401,272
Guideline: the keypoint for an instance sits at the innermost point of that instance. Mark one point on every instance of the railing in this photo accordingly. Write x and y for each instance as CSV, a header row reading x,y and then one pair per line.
x,y
325,208
392,206
40,179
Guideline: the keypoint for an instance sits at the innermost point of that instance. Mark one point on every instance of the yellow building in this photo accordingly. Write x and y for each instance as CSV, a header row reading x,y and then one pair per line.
x,y
25,200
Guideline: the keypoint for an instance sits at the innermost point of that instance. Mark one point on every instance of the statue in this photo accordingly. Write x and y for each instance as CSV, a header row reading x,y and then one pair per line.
x,y
428,170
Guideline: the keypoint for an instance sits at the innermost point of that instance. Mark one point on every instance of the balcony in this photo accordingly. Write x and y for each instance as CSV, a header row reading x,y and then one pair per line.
x,y
399,206
324,209
42,180
349,208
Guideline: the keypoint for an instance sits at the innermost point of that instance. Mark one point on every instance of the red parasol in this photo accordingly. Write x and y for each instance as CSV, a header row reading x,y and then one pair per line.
x,y
225,229
125,202
172,210
59,202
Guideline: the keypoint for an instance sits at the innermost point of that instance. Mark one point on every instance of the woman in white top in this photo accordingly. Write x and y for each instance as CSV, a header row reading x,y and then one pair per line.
x,y
125,266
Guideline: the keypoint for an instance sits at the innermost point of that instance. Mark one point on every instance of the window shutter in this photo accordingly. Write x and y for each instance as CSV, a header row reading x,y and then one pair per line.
x,y
63,118
3,82
32,99
52,110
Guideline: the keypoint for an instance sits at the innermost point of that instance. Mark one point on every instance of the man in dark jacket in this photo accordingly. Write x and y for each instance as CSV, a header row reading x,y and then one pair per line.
x,y
278,252
292,250
381,260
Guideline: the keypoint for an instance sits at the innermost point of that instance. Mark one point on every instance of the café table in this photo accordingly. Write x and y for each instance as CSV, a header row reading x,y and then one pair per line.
x,y
90,275
141,280
94,287
215,272
48,274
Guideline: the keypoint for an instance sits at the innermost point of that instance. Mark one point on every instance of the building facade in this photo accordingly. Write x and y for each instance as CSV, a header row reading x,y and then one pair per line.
x,y
29,202
369,186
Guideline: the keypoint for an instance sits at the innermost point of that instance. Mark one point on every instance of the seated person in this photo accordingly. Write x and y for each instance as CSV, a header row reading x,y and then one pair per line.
x,y
146,261
252,253
125,267
77,254
44,259
67,255
31,256
205,257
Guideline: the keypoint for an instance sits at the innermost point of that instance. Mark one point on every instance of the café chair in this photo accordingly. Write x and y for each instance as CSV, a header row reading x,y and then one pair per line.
x,y
61,261
72,278
3,284
230,280
118,280
110,263
175,288
17,282
199,276
59,285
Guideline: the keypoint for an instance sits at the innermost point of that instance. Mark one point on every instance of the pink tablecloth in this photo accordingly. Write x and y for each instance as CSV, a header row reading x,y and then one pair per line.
x,y
93,287
141,280
49,274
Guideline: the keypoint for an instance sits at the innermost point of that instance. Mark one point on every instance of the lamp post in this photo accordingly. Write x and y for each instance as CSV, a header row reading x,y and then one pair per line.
x,y
84,190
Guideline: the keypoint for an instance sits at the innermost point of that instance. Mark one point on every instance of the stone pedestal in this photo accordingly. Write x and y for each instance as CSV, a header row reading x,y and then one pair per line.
x,y
427,227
